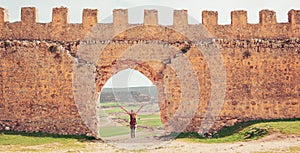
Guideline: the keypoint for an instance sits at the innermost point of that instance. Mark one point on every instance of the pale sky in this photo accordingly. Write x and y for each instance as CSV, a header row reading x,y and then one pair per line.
x,y
105,7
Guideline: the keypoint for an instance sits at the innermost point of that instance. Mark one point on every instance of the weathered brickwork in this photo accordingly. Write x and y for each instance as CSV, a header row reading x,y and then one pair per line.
x,y
262,80
36,88
262,63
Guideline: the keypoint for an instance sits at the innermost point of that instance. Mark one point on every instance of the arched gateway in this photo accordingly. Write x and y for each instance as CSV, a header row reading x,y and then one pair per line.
x,y
208,76
167,57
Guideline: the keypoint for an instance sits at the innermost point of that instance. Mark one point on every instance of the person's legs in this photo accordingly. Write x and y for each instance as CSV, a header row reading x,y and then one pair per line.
x,y
132,131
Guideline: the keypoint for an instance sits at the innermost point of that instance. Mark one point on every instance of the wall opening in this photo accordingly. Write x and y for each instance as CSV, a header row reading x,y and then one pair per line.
x,y
130,89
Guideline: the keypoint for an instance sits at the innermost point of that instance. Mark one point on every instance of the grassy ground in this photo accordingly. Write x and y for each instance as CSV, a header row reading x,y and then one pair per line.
x,y
22,138
247,131
151,120
21,141
110,131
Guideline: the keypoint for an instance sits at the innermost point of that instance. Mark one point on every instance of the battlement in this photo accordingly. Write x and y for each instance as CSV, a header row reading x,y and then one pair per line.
x,y
239,18
60,16
60,28
150,17
3,16
29,15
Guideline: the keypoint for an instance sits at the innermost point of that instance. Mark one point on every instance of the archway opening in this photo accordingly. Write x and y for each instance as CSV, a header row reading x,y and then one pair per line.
x,y
133,91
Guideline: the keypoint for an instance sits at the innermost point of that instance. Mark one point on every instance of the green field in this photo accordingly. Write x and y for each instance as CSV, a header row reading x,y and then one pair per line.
x,y
114,121
109,104
151,120
113,131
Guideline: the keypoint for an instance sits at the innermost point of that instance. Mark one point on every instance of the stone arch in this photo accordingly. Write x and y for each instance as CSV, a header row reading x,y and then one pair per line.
x,y
120,50
158,74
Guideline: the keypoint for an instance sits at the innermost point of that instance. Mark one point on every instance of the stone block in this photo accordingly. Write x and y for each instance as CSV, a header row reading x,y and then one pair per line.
x,y
150,17
180,18
3,16
60,16
89,18
239,18
120,18
29,15
294,16
210,18
267,17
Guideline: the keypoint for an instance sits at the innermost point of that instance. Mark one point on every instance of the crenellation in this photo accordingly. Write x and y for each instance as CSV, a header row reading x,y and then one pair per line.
x,y
180,18
120,18
239,18
3,16
60,16
294,16
29,15
61,29
89,18
150,17
267,17
210,18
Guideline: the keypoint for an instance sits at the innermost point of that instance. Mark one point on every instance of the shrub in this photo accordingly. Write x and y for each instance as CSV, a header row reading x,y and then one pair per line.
x,y
254,132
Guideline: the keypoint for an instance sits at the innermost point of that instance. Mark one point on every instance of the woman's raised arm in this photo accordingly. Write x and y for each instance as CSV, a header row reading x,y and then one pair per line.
x,y
124,109
139,108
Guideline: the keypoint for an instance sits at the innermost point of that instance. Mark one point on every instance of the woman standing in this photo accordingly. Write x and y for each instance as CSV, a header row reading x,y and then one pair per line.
x,y
132,122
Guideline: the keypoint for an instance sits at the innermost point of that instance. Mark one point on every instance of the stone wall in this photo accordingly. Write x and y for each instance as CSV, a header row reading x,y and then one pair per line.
x,y
261,79
36,88
261,62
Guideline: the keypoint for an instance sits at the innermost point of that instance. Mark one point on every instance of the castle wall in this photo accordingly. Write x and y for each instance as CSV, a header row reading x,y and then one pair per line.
x,y
261,80
261,61
36,88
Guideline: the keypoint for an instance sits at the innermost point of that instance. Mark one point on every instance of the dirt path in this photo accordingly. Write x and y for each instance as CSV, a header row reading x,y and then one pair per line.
x,y
274,142
146,139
